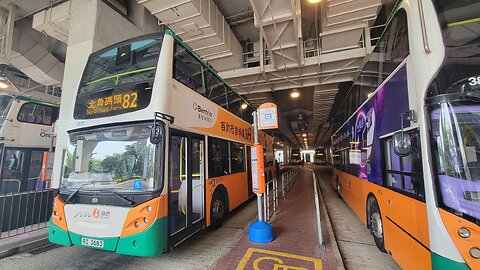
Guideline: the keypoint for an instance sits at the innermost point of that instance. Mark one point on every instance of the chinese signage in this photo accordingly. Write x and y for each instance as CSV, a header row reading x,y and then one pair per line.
x,y
243,133
258,173
117,102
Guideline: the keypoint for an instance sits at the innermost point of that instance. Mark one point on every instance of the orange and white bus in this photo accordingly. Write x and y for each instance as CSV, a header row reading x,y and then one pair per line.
x,y
407,152
158,149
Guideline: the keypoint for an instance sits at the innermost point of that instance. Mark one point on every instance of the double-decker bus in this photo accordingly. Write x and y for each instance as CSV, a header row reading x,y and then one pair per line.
x,y
407,155
158,149
295,156
26,131
320,157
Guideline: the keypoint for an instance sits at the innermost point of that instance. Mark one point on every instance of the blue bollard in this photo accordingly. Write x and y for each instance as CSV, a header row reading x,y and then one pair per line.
x,y
260,232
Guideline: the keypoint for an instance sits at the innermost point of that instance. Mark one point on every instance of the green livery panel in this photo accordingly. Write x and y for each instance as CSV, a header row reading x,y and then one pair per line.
x,y
109,243
151,242
58,235
442,263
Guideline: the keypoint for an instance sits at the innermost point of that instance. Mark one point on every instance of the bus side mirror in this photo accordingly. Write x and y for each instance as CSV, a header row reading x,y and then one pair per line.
x,y
402,145
155,134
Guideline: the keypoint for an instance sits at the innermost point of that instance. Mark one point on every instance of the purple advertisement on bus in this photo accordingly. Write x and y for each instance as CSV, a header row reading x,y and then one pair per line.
x,y
359,138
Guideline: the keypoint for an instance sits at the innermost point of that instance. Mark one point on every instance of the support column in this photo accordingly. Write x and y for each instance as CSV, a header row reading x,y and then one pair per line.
x,y
94,25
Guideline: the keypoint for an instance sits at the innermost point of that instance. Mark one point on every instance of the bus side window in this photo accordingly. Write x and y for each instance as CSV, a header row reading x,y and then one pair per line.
x,y
187,69
35,114
218,163
217,92
404,173
12,171
237,154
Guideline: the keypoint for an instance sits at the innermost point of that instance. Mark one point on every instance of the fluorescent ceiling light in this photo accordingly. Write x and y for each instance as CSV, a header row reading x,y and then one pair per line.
x,y
3,84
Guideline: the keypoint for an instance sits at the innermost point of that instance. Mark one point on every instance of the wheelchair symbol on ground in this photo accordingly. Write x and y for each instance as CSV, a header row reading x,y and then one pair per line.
x,y
261,259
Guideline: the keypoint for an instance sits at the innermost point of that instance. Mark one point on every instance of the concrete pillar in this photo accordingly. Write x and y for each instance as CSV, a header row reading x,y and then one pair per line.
x,y
286,154
94,25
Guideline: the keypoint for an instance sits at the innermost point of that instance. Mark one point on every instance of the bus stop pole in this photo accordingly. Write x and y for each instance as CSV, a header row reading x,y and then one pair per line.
x,y
259,231
255,136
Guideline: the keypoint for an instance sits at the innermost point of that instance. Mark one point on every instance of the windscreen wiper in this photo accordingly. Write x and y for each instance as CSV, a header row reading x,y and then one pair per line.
x,y
75,192
125,199
474,95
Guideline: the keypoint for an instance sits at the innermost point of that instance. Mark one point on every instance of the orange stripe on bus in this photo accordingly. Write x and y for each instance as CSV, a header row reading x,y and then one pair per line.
x,y
58,214
139,218
407,239
453,223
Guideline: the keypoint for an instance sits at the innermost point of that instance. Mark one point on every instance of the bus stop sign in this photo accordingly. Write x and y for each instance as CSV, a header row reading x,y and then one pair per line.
x,y
267,116
258,170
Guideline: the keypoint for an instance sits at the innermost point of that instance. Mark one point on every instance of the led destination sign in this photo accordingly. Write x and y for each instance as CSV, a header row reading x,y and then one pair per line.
x,y
113,101
118,102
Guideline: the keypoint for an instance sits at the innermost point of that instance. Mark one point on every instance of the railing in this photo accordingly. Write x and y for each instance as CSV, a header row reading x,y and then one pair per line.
x,y
25,211
270,200
288,179
252,58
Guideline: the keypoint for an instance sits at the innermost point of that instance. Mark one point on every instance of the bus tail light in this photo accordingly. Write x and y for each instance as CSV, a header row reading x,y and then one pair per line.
x,y
58,214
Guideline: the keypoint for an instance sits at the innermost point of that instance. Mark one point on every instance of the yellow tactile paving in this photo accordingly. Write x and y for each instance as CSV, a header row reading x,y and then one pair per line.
x,y
262,259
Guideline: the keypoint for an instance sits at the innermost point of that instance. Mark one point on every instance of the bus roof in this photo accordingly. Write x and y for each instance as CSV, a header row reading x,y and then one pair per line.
x,y
189,49
204,63
35,101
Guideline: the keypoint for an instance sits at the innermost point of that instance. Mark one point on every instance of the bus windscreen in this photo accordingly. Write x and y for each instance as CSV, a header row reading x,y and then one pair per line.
x,y
118,80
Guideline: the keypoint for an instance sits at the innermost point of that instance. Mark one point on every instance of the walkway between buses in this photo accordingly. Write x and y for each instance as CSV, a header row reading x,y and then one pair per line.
x,y
296,244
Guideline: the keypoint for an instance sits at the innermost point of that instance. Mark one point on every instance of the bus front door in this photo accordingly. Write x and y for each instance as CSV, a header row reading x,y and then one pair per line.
x,y
187,185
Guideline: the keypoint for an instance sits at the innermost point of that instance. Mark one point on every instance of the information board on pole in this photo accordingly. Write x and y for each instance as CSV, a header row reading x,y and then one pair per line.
x,y
258,170
267,116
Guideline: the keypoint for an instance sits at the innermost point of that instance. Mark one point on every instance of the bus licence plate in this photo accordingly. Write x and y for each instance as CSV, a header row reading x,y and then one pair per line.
x,y
92,242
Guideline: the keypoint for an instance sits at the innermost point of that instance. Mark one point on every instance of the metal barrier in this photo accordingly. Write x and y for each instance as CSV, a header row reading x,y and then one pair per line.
x,y
270,200
288,179
25,212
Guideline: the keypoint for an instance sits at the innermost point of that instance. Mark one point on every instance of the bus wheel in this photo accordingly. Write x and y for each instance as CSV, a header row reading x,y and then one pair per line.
x,y
217,211
375,224
339,188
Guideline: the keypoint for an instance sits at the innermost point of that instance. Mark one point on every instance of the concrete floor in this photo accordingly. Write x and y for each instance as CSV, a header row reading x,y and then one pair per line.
x,y
353,238
194,253
205,249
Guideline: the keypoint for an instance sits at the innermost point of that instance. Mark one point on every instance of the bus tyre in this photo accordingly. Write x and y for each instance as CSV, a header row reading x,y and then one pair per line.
x,y
217,211
339,188
375,224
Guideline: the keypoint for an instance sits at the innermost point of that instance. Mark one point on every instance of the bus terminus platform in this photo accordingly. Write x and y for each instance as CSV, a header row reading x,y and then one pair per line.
x,y
128,134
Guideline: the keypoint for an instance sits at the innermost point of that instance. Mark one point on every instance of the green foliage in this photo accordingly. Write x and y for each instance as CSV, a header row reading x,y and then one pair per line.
x,y
127,165
95,166
68,164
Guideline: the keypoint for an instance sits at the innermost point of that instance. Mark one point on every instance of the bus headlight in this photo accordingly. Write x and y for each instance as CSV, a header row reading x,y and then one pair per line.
x,y
140,217
464,232
475,253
